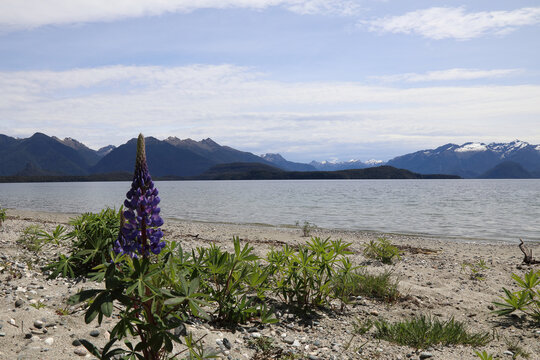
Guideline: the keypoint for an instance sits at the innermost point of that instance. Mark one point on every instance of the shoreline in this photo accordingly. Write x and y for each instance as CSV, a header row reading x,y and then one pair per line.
x,y
54,216
431,279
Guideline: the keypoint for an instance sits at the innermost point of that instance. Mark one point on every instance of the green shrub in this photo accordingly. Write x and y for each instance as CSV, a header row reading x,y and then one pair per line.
x,y
92,239
304,276
382,250
526,300
237,283
34,237
422,332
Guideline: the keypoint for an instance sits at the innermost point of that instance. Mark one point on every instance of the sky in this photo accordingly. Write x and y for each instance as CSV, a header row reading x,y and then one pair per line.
x,y
309,79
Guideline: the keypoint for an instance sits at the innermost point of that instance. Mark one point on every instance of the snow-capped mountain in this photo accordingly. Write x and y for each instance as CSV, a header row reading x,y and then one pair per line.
x,y
471,159
344,165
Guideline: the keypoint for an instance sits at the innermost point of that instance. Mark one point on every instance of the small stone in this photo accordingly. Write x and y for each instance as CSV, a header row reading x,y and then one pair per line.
x,y
227,343
12,322
425,355
80,351
296,343
289,340
374,312
76,342
28,335
49,341
2,334
19,303
94,333
38,324
508,352
256,335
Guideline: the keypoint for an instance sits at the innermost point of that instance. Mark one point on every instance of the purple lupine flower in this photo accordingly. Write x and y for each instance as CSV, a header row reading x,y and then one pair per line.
x,y
140,233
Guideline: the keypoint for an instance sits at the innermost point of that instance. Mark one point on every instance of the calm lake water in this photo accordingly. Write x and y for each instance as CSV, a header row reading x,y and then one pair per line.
x,y
463,209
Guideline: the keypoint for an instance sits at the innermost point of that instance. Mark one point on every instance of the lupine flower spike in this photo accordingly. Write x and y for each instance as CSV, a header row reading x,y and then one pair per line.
x,y
140,232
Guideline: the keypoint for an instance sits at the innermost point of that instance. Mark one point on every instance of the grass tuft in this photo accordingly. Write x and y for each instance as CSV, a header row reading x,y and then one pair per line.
x,y
423,331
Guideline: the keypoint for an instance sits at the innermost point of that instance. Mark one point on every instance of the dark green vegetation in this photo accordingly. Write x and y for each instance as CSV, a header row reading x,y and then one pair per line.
x,y
249,171
525,300
422,332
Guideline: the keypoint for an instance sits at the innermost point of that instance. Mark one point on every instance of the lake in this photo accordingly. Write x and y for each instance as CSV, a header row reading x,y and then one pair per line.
x,y
456,209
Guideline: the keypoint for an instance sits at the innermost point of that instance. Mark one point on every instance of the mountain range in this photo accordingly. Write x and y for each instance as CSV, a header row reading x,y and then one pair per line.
x,y
45,156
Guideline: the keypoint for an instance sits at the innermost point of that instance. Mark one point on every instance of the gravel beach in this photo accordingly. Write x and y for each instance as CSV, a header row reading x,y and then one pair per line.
x,y
431,278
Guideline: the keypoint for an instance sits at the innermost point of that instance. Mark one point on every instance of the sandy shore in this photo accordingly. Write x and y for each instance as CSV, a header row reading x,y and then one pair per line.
x,y
432,282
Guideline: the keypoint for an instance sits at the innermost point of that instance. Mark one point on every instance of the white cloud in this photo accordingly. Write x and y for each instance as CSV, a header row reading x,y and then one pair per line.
x,y
239,107
18,14
449,75
446,22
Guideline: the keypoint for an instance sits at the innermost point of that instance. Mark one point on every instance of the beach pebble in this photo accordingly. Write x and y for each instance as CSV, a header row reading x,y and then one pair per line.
x,y
76,342
508,352
2,334
288,340
94,333
49,341
425,355
255,335
38,324
80,351
19,303
12,321
227,343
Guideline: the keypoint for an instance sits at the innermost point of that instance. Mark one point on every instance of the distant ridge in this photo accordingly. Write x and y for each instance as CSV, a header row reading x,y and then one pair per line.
x,y
245,171
41,155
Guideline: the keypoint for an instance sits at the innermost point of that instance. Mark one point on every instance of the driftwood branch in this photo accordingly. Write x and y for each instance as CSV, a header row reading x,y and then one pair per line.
x,y
527,258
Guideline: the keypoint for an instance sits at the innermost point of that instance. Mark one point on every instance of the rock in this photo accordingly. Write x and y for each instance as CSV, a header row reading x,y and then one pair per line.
x,y
374,312
255,335
80,351
288,340
425,355
76,342
227,343
49,341
38,324
508,352
12,322
94,333
296,343
19,303
2,334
